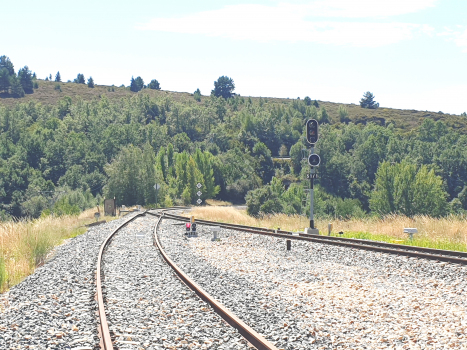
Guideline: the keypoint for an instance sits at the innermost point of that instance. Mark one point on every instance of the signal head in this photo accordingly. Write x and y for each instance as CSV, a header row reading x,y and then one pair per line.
x,y
312,131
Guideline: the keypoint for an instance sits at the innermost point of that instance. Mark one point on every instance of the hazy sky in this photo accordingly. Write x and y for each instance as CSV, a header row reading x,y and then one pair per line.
x,y
410,54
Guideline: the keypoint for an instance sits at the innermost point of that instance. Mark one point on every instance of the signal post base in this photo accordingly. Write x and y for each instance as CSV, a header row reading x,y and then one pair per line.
x,y
311,231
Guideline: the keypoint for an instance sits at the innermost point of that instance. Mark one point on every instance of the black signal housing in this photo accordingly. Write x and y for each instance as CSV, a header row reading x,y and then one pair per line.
x,y
312,131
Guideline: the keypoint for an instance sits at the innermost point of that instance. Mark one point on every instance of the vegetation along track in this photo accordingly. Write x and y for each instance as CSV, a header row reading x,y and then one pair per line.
x,y
148,306
398,249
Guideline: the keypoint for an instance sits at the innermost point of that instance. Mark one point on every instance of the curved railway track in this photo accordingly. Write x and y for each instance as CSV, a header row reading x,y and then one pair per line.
x,y
389,248
104,333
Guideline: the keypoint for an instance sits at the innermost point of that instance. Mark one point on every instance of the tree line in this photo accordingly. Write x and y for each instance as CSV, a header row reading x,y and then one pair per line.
x,y
66,157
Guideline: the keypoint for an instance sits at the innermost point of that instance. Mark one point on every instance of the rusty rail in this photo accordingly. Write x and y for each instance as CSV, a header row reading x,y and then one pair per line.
x,y
389,248
104,333
251,335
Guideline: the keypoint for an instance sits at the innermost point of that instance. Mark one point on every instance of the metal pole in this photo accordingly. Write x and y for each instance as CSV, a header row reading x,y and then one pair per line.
x,y
312,223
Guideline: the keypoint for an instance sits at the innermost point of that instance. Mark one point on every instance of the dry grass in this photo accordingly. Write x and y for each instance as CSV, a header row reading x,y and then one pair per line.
x,y
443,233
47,95
25,244
215,202
402,118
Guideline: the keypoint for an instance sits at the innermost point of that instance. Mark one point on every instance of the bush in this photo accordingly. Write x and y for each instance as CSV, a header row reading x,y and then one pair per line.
x,y
58,87
343,114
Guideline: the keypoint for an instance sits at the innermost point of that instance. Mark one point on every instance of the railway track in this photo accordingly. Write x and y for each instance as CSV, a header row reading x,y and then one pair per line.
x,y
317,296
108,339
389,248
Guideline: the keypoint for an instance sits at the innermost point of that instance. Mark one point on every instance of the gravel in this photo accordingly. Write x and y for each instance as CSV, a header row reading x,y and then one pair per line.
x,y
54,308
148,306
319,296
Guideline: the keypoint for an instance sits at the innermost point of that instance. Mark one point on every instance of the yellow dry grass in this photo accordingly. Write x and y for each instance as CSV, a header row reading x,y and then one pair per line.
x,y
450,229
25,244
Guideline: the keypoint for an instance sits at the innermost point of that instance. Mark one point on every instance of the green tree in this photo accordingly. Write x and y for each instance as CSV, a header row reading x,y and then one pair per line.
x,y
324,116
90,82
265,168
154,84
4,80
58,77
132,176
16,88
25,78
223,87
136,84
307,100
197,95
79,79
7,64
401,189
368,101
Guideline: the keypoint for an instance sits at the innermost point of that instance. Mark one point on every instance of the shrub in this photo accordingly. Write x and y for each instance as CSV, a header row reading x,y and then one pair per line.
x,y
58,87
343,114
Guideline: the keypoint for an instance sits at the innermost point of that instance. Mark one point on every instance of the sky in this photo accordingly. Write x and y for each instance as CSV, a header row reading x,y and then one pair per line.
x,y
411,54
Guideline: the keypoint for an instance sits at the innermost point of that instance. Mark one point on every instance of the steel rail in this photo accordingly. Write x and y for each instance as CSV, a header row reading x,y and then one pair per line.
x,y
248,333
397,249
104,333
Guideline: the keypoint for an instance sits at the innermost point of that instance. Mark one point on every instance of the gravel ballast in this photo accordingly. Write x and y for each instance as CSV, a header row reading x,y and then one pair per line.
x,y
54,308
319,296
148,307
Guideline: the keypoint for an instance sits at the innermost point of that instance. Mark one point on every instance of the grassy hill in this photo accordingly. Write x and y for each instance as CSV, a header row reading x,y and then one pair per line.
x,y
401,118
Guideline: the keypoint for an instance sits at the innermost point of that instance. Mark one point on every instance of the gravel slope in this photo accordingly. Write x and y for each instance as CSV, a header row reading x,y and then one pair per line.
x,y
326,297
54,308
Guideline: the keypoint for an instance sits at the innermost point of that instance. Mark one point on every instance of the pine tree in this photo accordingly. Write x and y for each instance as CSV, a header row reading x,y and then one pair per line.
x,y
4,80
139,83
25,78
79,79
6,63
58,78
223,87
133,85
368,101
197,95
154,84
15,87
90,82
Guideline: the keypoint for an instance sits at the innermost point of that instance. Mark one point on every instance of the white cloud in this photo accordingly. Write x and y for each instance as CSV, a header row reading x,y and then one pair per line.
x,y
286,22
458,35
367,8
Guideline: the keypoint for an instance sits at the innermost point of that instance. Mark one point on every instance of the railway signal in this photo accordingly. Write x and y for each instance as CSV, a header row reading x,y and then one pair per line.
x,y
312,131
314,160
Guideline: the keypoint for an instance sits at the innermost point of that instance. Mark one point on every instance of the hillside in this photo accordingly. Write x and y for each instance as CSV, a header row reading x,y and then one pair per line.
x,y
76,144
46,94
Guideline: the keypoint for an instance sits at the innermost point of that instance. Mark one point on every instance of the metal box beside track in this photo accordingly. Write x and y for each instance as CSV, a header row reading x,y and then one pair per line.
x,y
110,207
